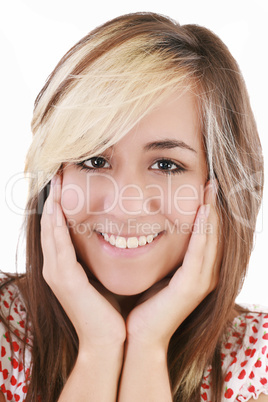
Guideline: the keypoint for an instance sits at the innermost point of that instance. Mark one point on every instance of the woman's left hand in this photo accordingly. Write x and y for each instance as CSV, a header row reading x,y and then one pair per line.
x,y
169,302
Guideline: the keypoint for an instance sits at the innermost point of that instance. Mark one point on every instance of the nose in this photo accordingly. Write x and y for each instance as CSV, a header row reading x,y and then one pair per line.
x,y
134,197
129,200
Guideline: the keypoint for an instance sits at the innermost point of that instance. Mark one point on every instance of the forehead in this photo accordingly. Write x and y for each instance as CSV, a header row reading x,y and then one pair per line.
x,y
176,118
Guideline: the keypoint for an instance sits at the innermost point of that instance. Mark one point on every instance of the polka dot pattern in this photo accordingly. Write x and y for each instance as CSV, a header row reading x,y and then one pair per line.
x,y
244,359
13,372
244,354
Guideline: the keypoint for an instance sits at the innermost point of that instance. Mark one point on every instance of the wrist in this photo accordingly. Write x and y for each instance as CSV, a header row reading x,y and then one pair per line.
x,y
110,355
154,351
102,343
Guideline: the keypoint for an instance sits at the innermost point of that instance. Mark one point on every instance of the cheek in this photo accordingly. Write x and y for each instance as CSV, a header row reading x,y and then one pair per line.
x,y
89,195
185,200
73,197
72,201
74,207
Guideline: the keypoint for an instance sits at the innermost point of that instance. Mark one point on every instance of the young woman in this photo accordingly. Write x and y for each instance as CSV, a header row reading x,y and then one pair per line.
x,y
146,180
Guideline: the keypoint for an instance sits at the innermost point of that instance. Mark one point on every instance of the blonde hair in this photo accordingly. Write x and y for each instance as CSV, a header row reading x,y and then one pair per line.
x,y
99,90
95,97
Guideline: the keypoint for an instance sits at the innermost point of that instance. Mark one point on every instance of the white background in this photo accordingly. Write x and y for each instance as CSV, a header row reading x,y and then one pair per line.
x,y
35,34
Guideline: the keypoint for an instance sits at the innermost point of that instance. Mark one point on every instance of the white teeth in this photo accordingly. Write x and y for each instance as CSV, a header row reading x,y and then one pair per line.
x,y
142,241
150,238
111,240
130,242
120,242
106,237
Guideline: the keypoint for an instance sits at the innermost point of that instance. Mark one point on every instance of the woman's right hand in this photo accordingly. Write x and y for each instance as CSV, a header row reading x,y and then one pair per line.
x,y
96,321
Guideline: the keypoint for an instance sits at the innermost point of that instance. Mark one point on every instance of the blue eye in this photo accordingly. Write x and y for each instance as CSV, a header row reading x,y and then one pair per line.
x,y
167,166
97,162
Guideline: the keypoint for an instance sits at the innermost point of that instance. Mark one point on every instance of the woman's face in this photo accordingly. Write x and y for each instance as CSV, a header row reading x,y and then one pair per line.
x,y
131,209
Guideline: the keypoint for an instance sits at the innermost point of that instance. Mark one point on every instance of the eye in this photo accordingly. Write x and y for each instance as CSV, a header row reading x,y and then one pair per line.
x,y
97,162
167,166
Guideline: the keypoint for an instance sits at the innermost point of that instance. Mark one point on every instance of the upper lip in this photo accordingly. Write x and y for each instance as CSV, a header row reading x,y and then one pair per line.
x,y
127,235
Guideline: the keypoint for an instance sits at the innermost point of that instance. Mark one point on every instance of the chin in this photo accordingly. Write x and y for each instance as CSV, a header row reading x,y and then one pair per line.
x,y
126,289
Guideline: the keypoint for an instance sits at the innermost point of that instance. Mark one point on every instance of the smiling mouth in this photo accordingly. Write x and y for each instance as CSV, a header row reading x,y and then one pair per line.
x,y
129,242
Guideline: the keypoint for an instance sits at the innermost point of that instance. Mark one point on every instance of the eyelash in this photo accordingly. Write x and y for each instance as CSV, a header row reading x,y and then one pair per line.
x,y
92,169
178,168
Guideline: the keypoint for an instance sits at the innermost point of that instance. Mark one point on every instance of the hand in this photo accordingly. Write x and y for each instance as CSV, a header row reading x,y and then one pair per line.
x,y
96,321
154,321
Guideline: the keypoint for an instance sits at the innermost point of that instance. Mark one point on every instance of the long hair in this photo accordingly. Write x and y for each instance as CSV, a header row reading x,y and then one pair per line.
x,y
98,91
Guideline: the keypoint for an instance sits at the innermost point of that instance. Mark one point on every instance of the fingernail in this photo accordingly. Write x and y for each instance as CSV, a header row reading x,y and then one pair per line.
x,y
204,210
215,186
53,180
207,210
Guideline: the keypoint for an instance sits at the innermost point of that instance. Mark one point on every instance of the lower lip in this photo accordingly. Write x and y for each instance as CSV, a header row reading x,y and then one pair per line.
x,y
127,252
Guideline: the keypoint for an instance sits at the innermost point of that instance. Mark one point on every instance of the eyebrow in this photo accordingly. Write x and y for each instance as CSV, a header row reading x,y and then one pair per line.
x,y
168,144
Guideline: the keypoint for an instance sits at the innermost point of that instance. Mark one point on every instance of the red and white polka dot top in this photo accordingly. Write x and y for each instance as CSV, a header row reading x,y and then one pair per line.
x,y
244,354
244,359
14,368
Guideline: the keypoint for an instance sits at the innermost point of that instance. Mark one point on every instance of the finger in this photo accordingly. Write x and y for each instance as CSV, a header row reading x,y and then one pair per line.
x,y
56,188
210,192
212,251
206,219
47,230
198,250
194,255
63,242
56,244
62,239
209,269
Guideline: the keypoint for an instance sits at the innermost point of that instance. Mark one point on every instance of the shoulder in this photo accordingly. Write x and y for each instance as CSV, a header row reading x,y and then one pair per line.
x,y
14,356
12,306
244,356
